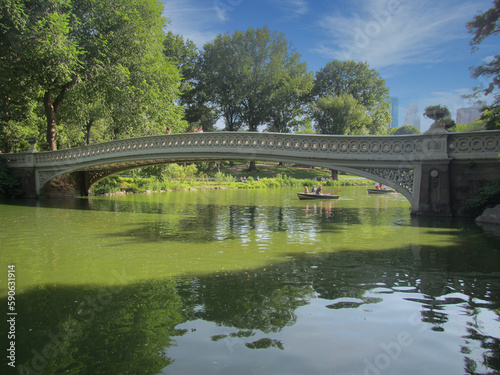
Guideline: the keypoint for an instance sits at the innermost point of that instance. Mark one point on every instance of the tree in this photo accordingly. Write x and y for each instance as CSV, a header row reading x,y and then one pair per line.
x,y
220,79
340,115
255,78
491,114
483,26
362,83
441,116
405,129
197,110
37,47
288,103
55,45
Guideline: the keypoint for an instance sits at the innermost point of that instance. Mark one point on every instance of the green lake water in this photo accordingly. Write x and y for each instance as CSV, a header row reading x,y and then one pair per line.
x,y
246,282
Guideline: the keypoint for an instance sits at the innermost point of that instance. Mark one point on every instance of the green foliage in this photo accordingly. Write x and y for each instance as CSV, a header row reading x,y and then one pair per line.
x,y
340,115
10,186
483,26
406,129
437,112
81,62
488,196
108,185
222,178
441,115
356,79
179,172
491,116
477,125
306,129
255,78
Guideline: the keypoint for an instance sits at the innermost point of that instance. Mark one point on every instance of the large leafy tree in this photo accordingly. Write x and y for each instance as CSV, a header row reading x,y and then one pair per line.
x,y
340,115
36,51
197,109
255,78
365,85
113,48
288,103
483,26
221,80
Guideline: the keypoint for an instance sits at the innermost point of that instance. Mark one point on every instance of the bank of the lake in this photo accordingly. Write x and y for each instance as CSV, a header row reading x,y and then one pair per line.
x,y
270,175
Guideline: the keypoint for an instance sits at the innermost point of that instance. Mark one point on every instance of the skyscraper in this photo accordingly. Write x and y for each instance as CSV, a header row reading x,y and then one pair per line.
x,y
394,112
412,116
468,115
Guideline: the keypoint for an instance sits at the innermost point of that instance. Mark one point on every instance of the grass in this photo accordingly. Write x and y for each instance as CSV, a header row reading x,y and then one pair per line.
x,y
270,175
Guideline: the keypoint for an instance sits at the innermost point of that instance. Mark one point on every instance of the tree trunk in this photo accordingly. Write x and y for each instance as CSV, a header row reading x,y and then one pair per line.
x,y
89,128
252,167
50,105
335,174
50,115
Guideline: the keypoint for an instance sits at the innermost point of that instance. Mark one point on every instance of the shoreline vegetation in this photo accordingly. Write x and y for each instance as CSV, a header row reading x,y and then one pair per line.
x,y
189,178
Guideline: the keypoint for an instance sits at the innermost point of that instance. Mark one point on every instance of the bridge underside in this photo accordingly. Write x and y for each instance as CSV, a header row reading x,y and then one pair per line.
x,y
438,198
399,178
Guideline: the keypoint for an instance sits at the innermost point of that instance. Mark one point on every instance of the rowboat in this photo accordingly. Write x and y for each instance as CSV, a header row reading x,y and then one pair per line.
x,y
380,191
303,196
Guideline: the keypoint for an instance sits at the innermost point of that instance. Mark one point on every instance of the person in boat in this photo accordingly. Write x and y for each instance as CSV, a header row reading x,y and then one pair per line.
x,y
313,190
318,190
306,189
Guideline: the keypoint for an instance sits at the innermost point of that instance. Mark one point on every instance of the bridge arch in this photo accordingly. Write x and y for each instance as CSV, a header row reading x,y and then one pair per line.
x,y
417,166
93,177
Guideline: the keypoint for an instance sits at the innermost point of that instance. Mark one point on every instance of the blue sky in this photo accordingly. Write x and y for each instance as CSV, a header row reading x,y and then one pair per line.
x,y
420,47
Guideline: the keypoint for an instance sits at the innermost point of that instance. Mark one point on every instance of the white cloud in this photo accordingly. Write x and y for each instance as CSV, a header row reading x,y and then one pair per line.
x,y
192,20
293,8
395,32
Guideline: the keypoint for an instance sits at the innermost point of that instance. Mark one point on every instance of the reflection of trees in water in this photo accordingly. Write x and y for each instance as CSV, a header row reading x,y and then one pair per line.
x,y
447,280
84,330
129,329
479,344
246,300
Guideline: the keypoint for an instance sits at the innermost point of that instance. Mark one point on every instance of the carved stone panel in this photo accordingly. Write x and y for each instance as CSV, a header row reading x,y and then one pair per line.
x,y
401,177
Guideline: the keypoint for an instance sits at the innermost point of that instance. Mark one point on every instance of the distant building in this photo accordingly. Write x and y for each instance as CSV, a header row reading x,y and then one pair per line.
x,y
395,112
412,116
470,114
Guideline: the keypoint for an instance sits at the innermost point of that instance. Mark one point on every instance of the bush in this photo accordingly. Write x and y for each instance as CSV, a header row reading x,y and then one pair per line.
x,y
10,186
106,186
488,196
222,178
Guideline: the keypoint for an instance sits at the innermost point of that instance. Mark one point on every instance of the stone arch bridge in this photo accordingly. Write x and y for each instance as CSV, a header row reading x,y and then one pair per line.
x,y
436,171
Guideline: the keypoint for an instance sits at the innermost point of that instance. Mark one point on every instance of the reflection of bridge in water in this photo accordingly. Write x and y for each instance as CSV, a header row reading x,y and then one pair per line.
x,y
436,172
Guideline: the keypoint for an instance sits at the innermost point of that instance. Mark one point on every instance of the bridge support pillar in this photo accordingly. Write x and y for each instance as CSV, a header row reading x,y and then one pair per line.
x,y
69,184
435,197
27,177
